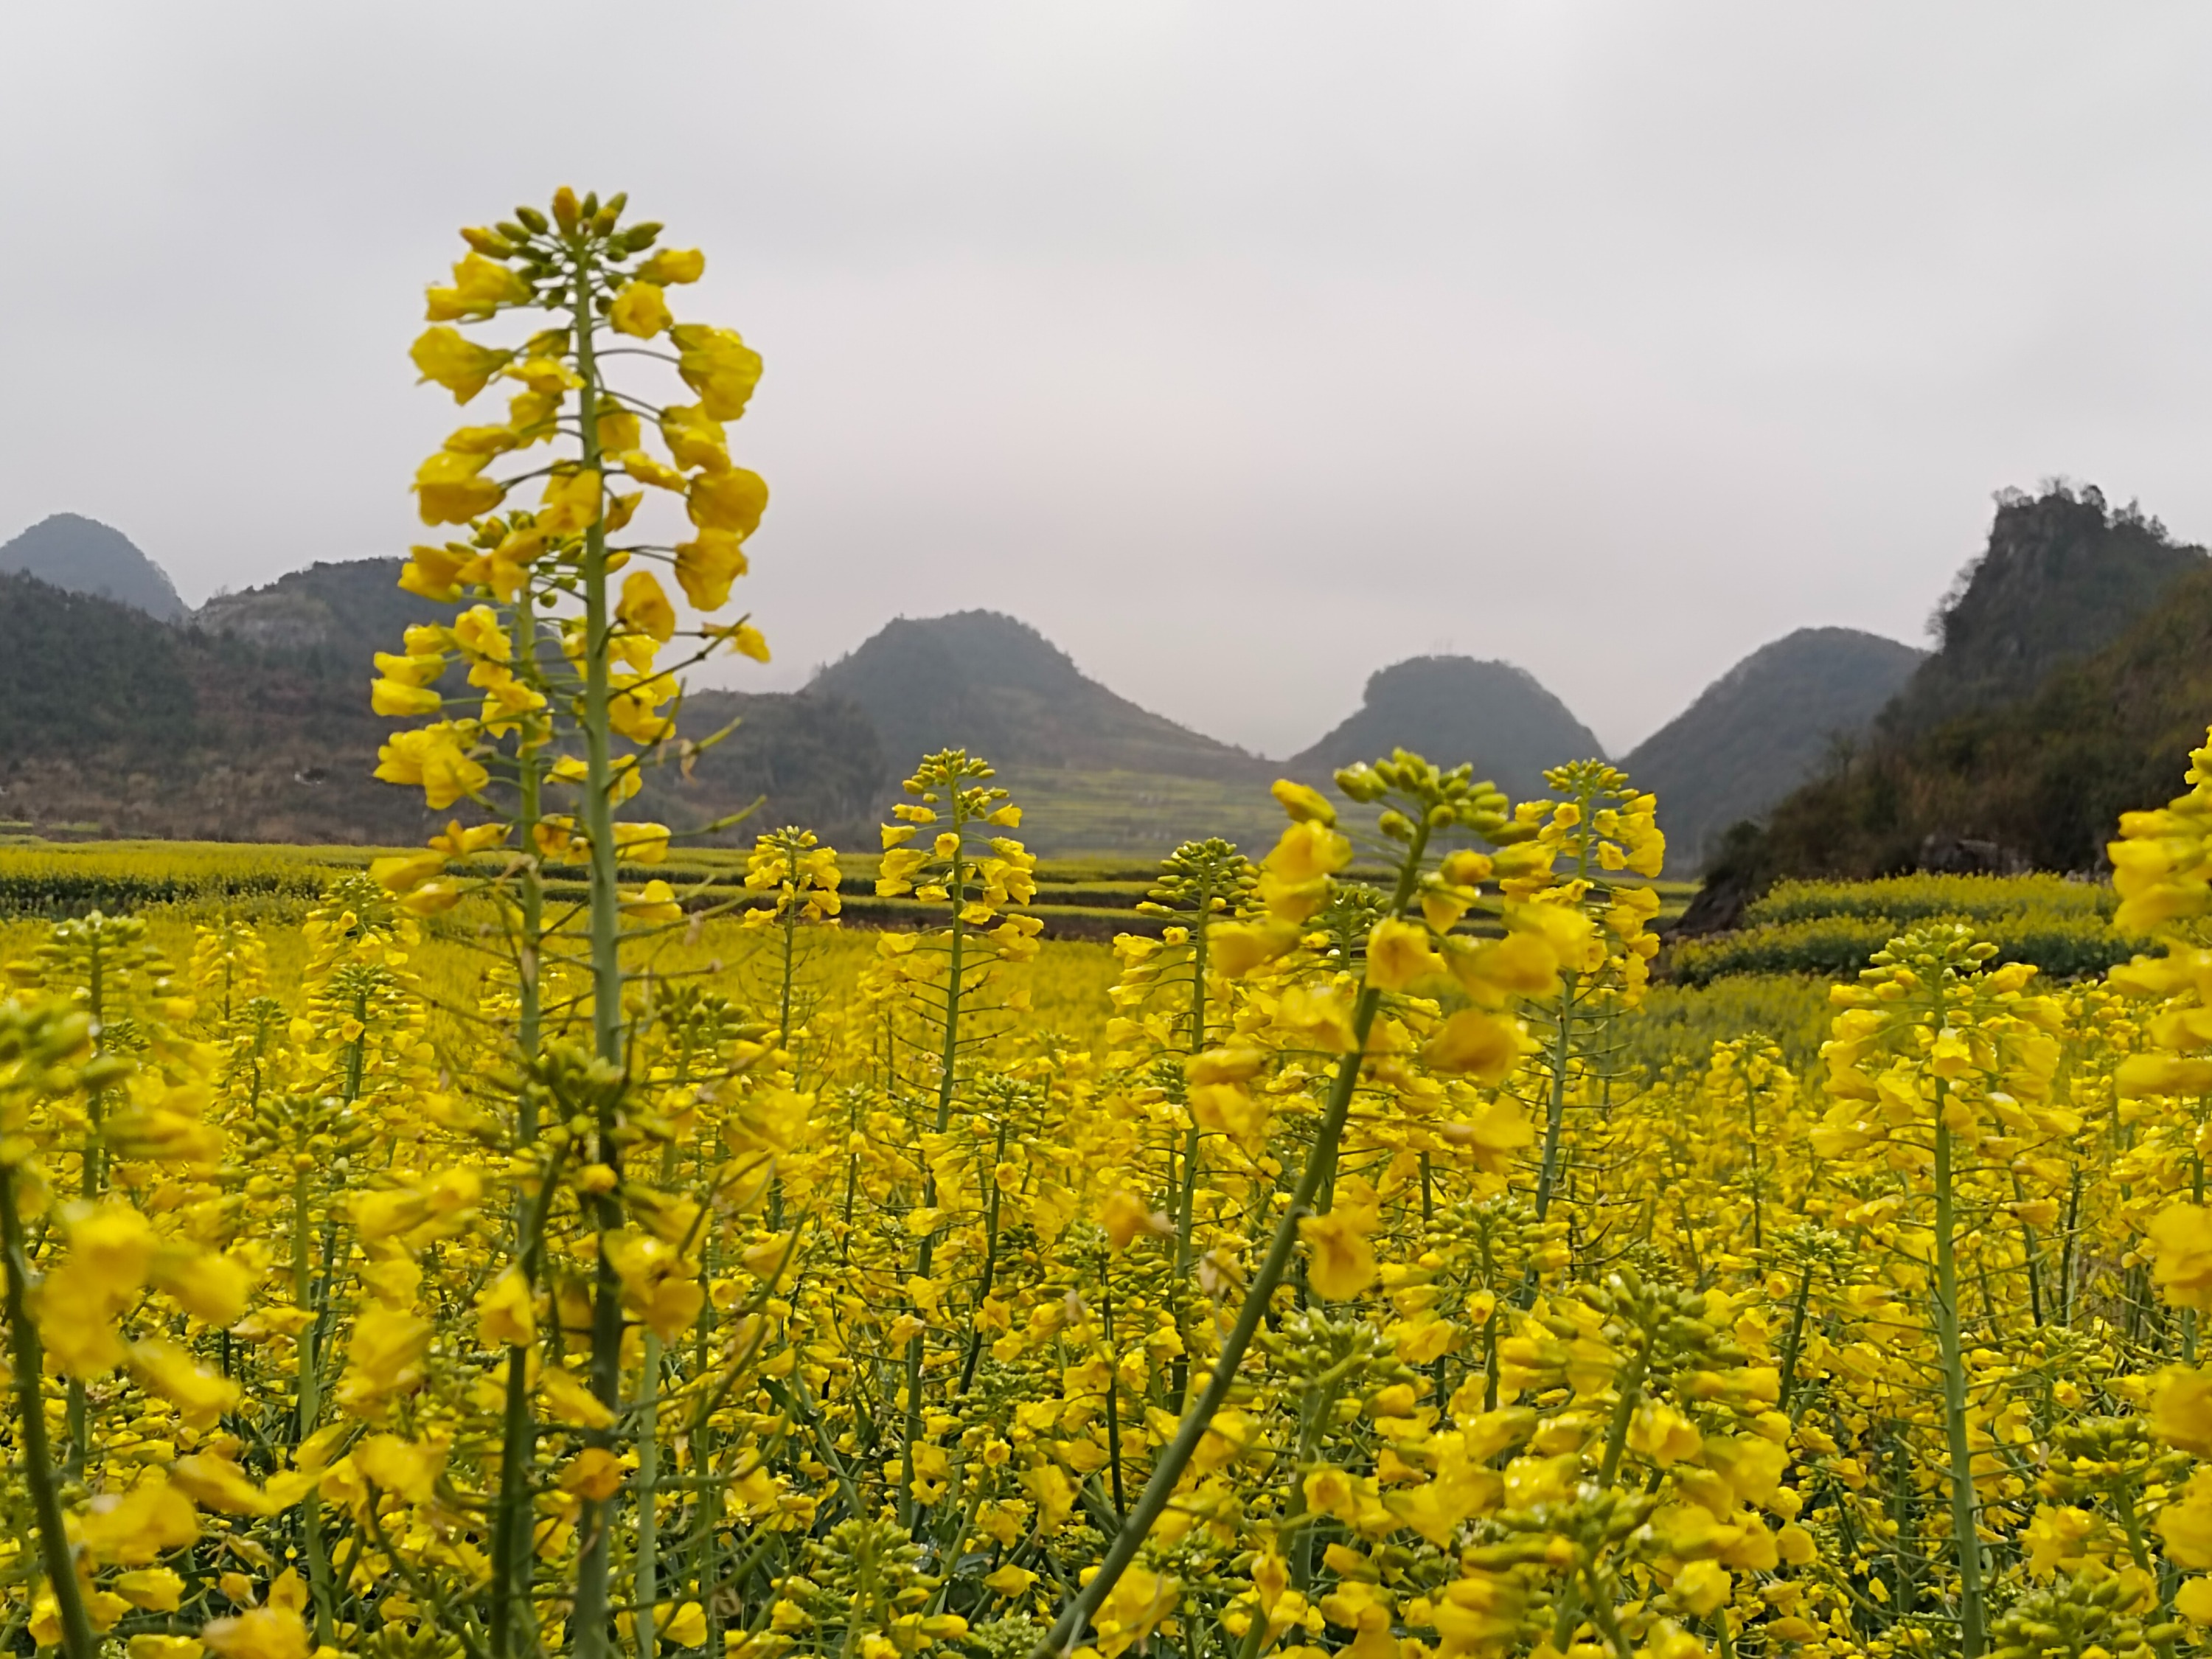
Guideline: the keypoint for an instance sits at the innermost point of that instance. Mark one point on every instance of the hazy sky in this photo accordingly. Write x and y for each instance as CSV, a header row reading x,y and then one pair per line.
x,y
1242,348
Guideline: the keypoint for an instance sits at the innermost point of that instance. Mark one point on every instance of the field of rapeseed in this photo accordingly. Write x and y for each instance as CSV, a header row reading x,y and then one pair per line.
x,y
531,1251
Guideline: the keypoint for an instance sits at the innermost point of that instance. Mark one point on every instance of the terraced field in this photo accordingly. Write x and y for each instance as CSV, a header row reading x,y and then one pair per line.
x,y
1094,897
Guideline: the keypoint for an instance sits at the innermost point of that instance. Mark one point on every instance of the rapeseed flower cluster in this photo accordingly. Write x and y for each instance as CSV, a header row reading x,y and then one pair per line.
x,y
482,1269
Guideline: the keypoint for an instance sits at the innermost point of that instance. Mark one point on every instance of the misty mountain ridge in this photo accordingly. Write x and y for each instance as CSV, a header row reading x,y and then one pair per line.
x,y
1098,772
1773,721
251,722
82,555
250,718
259,728
988,682
1449,709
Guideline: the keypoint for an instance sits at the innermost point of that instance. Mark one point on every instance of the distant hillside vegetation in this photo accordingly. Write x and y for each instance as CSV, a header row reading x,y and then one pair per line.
x,y
83,556
173,732
816,758
2037,784
1451,710
1093,772
2063,575
987,683
108,717
1764,727
2105,626
78,671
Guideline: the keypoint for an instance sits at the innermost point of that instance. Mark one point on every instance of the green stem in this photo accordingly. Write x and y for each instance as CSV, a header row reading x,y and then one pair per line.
x,y
319,1588
1314,1422
594,1565
1903,1525
518,1441
511,1553
2189,1315
1187,1198
2033,1258
2064,1294
302,1298
510,1565
529,779
1179,1286
1616,1440
704,1550
1624,1413
1601,1612
1168,1471
790,947
1793,1343
957,887
1757,1204
92,1174
852,1173
649,1475
783,1016
985,1284
355,1054
1113,1390
77,1639
1555,1111
1963,1530
441,1617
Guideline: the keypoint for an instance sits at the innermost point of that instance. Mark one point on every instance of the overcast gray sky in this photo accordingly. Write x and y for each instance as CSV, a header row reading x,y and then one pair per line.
x,y
1242,348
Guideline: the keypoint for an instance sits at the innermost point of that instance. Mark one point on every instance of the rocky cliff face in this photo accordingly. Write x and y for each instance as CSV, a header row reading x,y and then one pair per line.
x,y
2070,684
283,622
2063,575
346,610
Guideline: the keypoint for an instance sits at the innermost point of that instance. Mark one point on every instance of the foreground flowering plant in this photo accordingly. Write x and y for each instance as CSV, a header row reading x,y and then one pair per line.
x,y
537,1265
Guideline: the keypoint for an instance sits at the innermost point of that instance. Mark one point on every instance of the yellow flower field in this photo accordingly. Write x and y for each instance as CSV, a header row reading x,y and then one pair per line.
x,y
528,1252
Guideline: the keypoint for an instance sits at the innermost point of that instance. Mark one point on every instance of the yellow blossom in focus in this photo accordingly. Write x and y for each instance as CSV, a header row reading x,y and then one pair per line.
x,y
1342,1262
639,310
270,1632
458,364
645,607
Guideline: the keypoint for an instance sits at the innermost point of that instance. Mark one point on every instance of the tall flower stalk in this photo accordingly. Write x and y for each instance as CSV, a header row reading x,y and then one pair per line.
x,y
1421,804
575,673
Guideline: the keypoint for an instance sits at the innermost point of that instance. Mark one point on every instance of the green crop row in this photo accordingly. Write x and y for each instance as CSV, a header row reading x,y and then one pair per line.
x,y
1901,900
71,880
1082,897
1838,947
1678,1024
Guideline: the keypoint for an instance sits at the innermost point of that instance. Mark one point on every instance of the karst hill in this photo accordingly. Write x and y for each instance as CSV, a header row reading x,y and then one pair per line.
x,y
1450,709
2069,682
1777,718
82,555
249,720
2073,676
992,683
1095,772
2063,575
